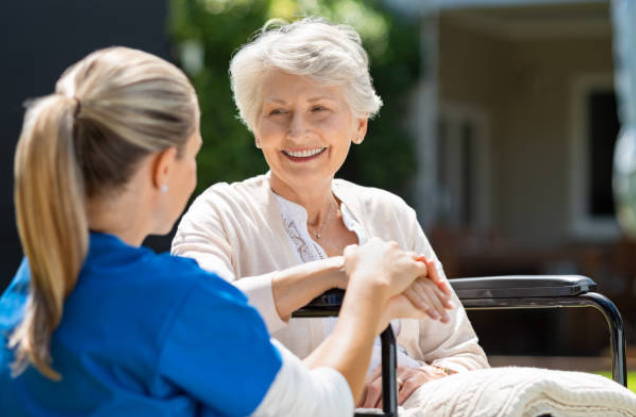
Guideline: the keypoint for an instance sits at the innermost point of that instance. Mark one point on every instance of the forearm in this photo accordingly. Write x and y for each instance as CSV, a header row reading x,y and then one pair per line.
x,y
321,392
294,287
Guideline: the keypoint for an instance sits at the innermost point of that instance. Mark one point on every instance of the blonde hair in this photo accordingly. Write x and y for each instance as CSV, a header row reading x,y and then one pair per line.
x,y
108,111
332,54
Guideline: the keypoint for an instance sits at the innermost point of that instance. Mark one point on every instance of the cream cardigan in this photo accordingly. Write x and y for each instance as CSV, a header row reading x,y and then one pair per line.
x,y
236,230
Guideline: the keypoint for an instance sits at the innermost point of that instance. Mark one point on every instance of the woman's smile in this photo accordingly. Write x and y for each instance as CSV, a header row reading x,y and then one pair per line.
x,y
303,155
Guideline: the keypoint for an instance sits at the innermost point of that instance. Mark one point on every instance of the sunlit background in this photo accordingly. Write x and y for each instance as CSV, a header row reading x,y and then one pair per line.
x,y
499,126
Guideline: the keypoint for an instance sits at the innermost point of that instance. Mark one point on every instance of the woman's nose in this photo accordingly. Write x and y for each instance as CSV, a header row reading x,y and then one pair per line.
x,y
297,125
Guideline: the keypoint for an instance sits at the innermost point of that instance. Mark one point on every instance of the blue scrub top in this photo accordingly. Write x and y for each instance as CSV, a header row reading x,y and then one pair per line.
x,y
142,335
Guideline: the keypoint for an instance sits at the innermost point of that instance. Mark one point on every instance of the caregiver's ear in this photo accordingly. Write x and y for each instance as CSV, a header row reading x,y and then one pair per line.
x,y
361,130
162,166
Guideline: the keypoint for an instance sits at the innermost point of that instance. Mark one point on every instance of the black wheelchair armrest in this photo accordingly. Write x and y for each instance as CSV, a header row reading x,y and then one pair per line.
x,y
518,286
325,305
505,286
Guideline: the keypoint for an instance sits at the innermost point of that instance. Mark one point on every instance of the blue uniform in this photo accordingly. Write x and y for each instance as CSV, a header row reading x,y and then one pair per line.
x,y
142,335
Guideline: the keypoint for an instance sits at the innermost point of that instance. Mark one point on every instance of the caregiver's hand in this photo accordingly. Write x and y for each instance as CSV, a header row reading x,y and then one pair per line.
x,y
408,380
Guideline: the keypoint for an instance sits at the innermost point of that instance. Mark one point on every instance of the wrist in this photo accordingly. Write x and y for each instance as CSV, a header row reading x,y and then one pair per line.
x,y
370,288
337,276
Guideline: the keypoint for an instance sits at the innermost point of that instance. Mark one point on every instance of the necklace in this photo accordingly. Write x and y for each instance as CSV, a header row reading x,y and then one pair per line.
x,y
318,232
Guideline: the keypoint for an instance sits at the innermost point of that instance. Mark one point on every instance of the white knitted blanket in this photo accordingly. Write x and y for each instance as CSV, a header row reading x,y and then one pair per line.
x,y
521,392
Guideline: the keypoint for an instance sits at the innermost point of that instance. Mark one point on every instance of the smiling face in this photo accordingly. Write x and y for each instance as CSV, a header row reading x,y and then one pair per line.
x,y
304,129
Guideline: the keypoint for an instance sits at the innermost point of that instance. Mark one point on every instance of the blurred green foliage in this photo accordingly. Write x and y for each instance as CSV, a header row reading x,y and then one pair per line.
x,y
207,32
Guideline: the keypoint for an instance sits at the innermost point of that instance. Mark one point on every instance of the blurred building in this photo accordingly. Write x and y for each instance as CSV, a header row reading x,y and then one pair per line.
x,y
516,124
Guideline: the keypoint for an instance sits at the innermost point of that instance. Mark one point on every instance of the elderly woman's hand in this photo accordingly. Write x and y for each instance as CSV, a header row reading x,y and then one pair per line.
x,y
430,294
408,380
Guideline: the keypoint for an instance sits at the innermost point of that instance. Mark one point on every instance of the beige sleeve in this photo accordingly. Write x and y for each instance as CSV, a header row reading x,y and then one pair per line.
x,y
453,345
201,235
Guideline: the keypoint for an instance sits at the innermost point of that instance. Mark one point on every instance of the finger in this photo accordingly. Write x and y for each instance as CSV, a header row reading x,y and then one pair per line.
x,y
444,299
401,307
420,258
416,292
401,374
414,297
428,290
435,276
379,403
437,303
435,292
421,290
441,295
420,261
408,388
374,393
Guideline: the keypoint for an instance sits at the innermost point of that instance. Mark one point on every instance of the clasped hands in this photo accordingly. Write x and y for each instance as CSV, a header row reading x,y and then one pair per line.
x,y
418,288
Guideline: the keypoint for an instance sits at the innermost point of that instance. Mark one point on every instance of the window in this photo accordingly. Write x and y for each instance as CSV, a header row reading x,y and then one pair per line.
x,y
595,128
463,169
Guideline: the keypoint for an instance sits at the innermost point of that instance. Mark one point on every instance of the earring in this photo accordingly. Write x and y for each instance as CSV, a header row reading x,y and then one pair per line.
x,y
164,188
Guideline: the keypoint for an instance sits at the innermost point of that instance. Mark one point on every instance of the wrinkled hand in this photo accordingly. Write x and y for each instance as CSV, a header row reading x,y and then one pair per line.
x,y
430,294
408,380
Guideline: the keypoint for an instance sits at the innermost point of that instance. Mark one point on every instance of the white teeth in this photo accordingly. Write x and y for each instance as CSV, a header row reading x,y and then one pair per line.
x,y
305,153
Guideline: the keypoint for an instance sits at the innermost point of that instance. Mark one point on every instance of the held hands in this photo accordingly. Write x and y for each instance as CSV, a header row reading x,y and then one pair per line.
x,y
382,267
414,286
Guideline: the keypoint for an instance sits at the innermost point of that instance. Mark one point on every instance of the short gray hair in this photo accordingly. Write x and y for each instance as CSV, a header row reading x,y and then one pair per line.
x,y
312,47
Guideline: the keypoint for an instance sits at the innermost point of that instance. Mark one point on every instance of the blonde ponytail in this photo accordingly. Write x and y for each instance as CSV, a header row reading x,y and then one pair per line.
x,y
110,109
52,224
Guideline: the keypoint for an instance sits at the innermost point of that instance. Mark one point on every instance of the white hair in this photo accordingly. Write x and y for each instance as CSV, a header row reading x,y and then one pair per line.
x,y
311,47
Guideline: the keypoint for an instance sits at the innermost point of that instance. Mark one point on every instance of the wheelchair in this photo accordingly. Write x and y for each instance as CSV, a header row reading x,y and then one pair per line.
x,y
495,293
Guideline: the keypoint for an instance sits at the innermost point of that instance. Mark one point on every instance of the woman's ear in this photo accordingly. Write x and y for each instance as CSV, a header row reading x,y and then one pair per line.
x,y
361,130
257,142
163,165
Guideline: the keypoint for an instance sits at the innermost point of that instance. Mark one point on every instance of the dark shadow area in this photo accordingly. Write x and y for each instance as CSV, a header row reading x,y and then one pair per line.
x,y
39,39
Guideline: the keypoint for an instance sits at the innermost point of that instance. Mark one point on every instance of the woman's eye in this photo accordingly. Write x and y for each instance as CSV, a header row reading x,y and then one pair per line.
x,y
275,112
318,108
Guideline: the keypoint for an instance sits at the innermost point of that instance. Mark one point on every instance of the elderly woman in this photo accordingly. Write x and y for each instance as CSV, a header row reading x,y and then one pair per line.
x,y
304,91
